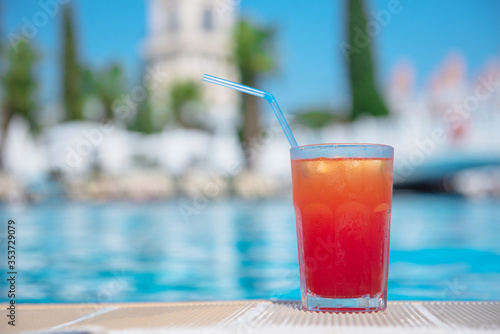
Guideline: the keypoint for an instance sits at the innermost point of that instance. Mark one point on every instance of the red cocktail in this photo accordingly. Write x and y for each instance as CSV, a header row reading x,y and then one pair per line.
x,y
342,196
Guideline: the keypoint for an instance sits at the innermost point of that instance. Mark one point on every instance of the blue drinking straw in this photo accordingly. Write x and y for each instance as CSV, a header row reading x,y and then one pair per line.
x,y
260,93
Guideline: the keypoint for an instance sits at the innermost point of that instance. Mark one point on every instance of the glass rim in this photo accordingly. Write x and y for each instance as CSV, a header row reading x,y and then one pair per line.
x,y
329,145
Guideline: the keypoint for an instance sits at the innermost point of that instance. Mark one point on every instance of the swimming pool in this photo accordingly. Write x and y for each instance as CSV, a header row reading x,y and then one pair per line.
x,y
442,248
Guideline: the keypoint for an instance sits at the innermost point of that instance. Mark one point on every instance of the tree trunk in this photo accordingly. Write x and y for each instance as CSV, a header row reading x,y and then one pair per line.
x,y
108,108
251,125
181,121
3,137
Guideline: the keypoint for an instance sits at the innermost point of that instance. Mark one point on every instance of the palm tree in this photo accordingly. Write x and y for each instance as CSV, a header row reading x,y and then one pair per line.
x,y
143,121
106,85
109,86
19,88
253,58
183,98
365,97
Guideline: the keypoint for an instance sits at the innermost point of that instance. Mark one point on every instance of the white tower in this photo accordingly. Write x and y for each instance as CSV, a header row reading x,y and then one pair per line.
x,y
188,38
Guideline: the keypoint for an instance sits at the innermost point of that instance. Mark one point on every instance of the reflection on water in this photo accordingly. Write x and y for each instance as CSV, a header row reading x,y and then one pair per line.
x,y
441,248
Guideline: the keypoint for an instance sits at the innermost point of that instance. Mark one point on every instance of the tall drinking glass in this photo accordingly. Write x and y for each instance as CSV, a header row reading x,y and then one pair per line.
x,y
342,195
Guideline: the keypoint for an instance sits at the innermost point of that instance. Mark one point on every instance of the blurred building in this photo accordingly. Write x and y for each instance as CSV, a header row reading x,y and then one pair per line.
x,y
187,39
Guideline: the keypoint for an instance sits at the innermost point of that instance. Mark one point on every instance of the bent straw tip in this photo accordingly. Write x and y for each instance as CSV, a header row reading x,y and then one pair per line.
x,y
269,97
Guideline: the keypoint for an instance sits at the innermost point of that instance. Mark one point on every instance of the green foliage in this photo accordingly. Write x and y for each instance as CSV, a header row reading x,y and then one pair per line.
x,y
107,85
365,97
315,119
19,85
87,82
143,121
19,88
252,53
253,57
72,98
110,85
182,93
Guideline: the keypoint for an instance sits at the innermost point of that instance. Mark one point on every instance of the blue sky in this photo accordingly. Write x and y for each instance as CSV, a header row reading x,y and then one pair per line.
x,y
311,68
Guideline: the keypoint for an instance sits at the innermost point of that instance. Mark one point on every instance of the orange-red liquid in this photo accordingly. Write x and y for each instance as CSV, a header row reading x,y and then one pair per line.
x,y
342,208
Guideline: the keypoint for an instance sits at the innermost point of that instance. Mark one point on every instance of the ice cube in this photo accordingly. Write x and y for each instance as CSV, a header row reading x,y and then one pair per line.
x,y
381,208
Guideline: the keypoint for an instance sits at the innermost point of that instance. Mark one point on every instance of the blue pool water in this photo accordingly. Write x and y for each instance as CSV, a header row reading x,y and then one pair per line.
x,y
442,248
